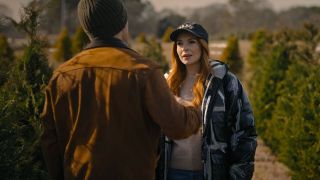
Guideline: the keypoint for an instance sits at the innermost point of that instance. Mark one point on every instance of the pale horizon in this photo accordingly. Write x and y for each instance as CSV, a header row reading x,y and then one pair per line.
x,y
178,5
182,4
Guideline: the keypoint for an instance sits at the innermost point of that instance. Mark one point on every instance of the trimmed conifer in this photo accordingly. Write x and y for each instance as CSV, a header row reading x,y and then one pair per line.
x,y
231,55
153,50
286,100
63,47
141,38
166,35
261,39
21,103
302,154
79,40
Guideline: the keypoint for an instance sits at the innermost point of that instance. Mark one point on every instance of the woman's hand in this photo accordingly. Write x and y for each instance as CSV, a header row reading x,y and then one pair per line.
x,y
183,102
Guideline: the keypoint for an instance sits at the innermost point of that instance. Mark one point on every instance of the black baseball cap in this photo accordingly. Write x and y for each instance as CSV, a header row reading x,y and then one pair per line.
x,y
191,27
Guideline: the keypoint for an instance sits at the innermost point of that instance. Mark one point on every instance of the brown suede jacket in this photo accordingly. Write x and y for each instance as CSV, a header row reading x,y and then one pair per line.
x,y
103,115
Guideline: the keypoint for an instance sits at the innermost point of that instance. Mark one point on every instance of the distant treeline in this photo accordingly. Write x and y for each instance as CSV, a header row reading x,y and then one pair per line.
x,y
245,17
221,20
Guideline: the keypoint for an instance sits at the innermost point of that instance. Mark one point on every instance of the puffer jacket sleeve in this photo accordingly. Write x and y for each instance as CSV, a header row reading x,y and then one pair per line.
x,y
243,140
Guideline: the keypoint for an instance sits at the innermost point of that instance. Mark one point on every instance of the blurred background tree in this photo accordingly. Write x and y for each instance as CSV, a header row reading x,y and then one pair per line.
x,y
153,50
237,17
166,35
231,55
6,59
79,40
59,14
168,18
260,40
141,16
141,38
63,47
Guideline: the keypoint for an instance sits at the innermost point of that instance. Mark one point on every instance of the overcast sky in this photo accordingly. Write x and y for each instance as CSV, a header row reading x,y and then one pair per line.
x,y
15,5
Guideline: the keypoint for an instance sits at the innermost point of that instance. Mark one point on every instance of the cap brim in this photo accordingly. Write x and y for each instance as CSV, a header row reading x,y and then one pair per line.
x,y
175,33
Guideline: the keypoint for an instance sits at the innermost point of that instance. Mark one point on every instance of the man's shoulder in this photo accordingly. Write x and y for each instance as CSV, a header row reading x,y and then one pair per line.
x,y
142,61
108,57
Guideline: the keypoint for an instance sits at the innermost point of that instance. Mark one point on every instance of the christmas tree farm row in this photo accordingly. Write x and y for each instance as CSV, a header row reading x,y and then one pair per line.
x,y
285,93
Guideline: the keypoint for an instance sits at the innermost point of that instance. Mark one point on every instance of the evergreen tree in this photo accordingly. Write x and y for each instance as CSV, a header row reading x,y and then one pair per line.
x,y
6,59
79,40
278,128
21,103
261,39
286,100
141,38
153,50
257,58
63,47
303,59
166,35
299,137
272,73
231,55
302,154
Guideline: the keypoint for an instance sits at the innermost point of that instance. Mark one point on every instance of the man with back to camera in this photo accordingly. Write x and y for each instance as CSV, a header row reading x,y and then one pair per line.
x,y
105,107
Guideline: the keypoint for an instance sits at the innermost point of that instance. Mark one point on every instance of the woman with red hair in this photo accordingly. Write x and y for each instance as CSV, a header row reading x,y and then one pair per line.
x,y
224,147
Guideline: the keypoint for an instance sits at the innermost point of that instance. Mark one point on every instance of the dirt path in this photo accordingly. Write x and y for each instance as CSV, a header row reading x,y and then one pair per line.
x,y
267,167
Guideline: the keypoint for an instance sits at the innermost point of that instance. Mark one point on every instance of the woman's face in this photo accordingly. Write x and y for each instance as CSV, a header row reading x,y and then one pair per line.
x,y
188,49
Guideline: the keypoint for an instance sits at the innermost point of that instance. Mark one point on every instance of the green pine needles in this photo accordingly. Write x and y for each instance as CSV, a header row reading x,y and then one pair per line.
x,y
21,102
231,55
63,47
79,40
6,59
285,93
153,50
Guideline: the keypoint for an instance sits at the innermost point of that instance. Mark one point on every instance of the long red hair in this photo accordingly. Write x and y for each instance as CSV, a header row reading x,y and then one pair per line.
x,y
178,73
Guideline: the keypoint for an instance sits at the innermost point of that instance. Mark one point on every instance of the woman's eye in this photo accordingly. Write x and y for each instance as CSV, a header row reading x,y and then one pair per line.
x,y
192,41
179,43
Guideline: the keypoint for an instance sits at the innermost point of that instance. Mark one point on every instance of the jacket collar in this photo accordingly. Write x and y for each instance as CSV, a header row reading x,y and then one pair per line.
x,y
109,42
219,69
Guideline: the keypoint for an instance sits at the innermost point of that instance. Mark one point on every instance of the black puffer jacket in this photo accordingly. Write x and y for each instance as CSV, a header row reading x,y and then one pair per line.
x,y
229,138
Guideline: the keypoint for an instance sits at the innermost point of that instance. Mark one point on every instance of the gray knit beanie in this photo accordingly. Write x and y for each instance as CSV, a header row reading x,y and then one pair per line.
x,y
102,18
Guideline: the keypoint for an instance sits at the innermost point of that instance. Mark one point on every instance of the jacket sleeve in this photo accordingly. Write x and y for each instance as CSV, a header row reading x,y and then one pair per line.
x,y
243,139
49,141
175,120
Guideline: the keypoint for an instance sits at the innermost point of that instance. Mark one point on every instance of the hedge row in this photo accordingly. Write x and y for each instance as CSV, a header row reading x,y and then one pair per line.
x,y
285,93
